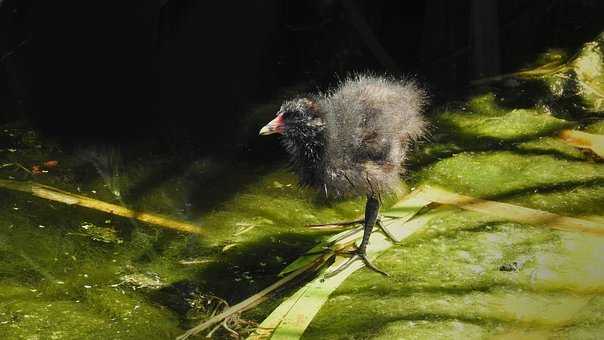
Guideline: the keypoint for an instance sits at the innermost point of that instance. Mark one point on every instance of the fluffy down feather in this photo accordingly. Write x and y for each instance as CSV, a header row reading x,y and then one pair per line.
x,y
354,139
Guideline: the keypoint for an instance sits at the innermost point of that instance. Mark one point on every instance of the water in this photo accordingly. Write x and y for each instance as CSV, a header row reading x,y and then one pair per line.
x,y
74,273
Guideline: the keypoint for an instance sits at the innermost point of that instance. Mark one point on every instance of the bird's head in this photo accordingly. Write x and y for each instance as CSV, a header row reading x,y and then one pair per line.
x,y
301,125
296,118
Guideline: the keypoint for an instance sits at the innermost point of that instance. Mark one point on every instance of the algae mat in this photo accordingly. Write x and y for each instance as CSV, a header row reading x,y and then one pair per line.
x,y
290,319
470,275
68,273
476,276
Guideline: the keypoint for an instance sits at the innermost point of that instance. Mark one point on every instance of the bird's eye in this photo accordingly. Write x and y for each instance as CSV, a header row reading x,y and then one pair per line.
x,y
286,114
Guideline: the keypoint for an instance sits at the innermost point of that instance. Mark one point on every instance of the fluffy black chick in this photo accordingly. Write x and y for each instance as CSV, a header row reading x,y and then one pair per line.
x,y
353,139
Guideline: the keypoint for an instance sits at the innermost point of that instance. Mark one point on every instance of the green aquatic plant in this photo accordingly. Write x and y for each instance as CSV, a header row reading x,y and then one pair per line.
x,y
447,280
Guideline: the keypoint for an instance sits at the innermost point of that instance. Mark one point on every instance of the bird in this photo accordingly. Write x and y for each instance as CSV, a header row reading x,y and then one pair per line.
x,y
352,140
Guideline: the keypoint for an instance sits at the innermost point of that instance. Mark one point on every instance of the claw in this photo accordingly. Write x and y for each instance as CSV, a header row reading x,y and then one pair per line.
x,y
372,208
372,266
357,255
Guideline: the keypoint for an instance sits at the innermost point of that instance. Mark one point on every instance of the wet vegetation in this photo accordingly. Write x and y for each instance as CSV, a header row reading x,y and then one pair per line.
x,y
474,276
73,273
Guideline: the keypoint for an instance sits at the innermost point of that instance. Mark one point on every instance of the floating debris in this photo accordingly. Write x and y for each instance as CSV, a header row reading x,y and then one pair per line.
x,y
228,246
50,164
509,267
244,230
101,234
189,262
147,280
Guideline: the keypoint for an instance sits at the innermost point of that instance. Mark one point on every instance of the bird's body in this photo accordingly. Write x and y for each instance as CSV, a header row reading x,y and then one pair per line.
x,y
353,140
357,135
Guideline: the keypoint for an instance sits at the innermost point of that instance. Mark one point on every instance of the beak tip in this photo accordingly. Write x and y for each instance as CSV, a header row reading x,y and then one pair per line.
x,y
274,126
264,131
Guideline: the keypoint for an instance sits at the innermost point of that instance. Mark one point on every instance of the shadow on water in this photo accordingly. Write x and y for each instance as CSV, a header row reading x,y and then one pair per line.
x,y
531,93
593,206
239,272
449,139
211,177
219,182
366,323
526,94
486,144
404,300
205,182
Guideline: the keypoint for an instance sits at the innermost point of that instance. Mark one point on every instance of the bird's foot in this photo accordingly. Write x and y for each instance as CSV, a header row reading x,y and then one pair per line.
x,y
386,231
357,255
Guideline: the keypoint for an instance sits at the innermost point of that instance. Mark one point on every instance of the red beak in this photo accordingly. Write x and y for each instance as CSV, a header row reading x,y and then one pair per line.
x,y
274,126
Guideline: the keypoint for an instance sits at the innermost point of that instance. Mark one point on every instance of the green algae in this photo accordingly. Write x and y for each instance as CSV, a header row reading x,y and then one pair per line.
x,y
589,69
501,172
487,104
552,56
469,275
101,234
125,279
581,77
27,313
504,126
596,128
448,282
136,281
445,281
423,329
552,145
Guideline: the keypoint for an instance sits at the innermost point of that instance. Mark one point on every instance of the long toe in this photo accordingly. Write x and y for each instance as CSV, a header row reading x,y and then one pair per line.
x,y
357,255
386,232
371,266
334,225
343,267
346,235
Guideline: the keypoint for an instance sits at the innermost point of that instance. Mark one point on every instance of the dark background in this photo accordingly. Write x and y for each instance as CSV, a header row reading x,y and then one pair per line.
x,y
185,74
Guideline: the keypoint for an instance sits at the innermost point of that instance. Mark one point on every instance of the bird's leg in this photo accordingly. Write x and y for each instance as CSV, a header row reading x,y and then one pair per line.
x,y
372,209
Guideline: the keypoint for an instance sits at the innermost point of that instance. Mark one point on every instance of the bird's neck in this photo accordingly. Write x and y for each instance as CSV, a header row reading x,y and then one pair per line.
x,y
307,152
